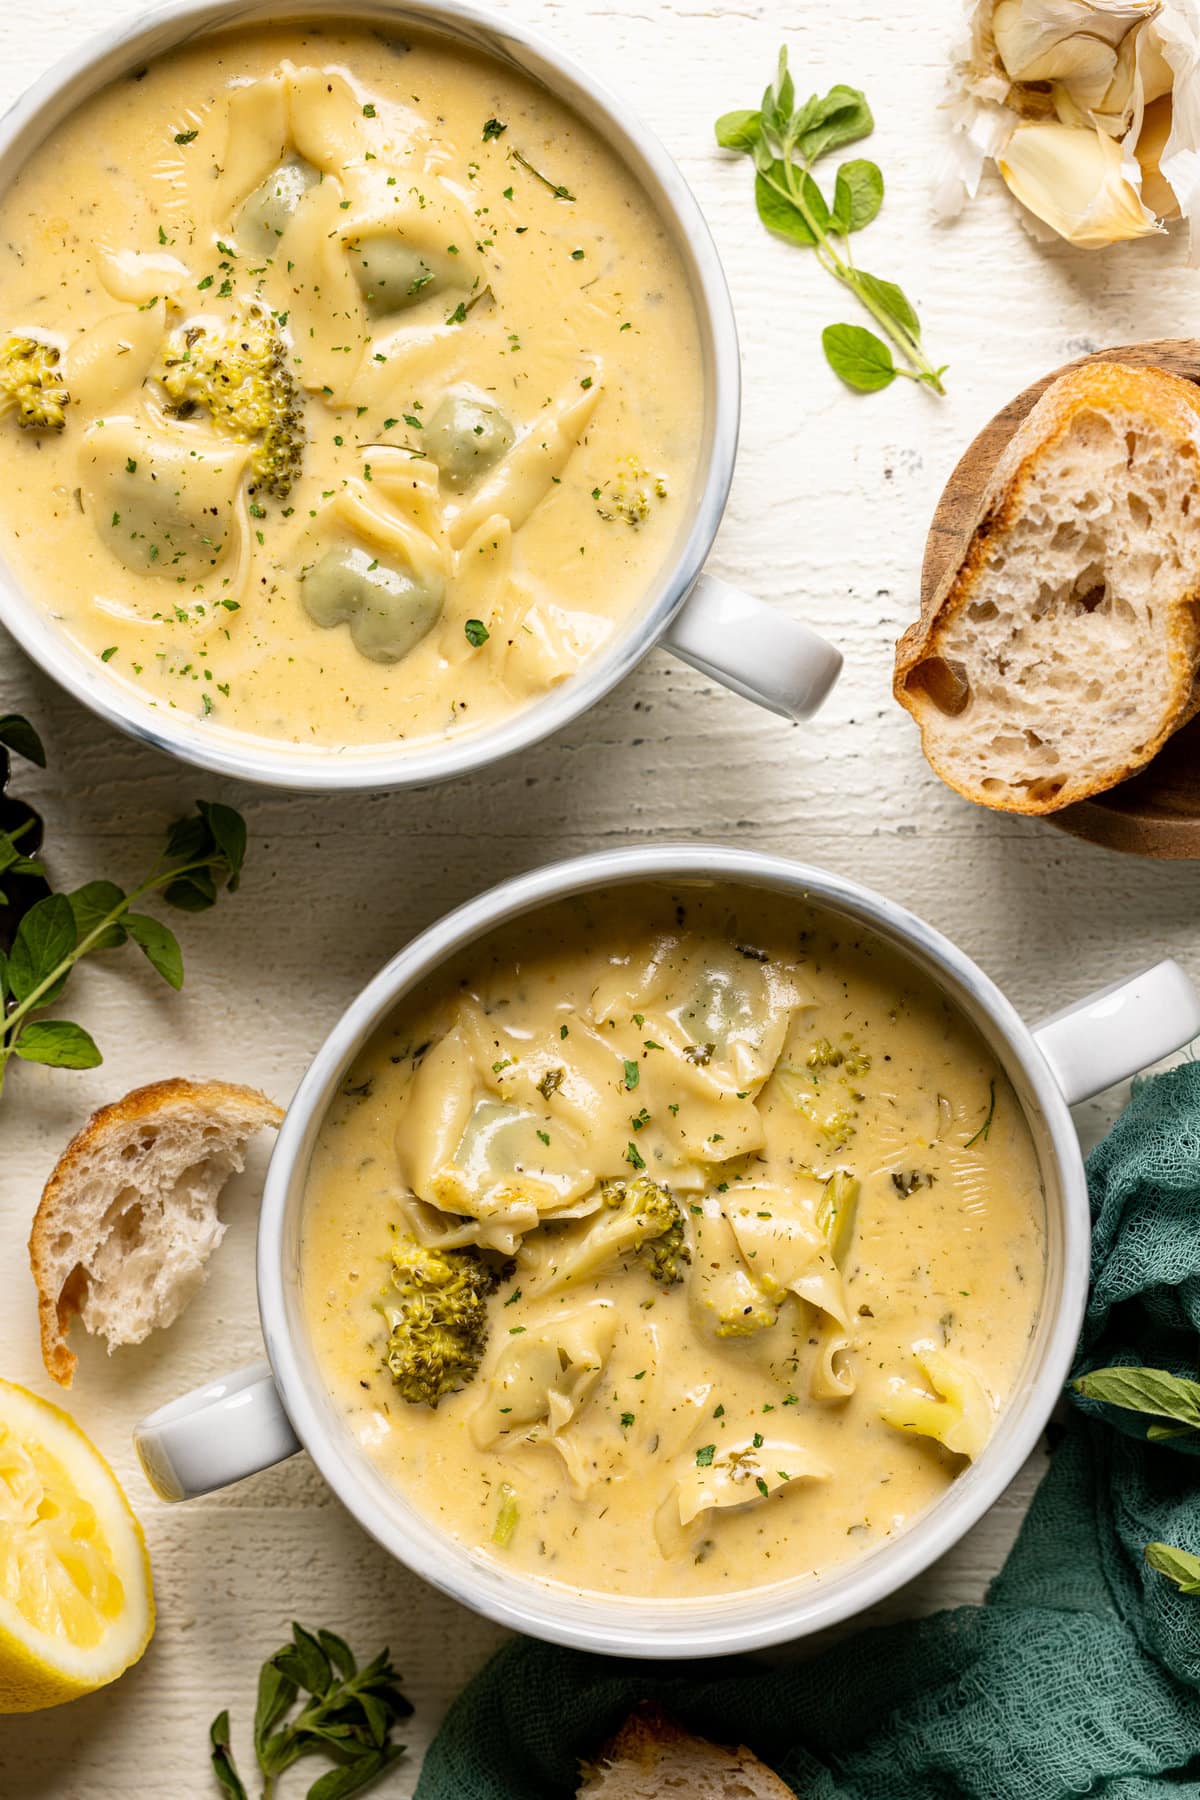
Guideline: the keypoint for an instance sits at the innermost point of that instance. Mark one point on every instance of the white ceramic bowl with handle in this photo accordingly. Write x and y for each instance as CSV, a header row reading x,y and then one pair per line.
x,y
252,1418
757,650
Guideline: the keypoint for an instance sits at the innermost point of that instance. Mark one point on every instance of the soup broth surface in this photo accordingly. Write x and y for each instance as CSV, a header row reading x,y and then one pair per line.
x,y
810,1352
383,377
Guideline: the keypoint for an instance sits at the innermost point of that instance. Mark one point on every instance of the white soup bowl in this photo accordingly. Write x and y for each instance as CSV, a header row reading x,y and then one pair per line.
x,y
257,1416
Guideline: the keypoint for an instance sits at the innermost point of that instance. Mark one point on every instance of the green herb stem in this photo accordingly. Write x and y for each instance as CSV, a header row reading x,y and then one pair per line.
x,y
159,879
556,187
843,270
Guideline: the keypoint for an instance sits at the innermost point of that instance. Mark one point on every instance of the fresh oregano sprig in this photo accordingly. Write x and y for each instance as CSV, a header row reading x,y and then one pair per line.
x,y
345,1713
45,934
785,141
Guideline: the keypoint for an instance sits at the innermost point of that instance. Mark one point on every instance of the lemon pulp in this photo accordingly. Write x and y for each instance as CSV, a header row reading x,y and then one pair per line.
x,y
75,1600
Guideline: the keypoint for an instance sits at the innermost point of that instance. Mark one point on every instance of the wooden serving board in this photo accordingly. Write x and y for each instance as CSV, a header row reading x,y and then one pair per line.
x,y
1157,811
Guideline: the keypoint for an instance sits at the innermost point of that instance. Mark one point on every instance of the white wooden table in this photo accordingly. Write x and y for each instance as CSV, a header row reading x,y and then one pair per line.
x,y
827,519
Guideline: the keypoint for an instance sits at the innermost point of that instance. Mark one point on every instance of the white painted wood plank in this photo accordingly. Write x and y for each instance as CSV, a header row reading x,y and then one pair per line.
x,y
827,519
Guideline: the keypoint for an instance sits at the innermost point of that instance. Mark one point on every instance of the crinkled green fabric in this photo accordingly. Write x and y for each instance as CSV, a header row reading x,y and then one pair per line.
x,y
1080,1674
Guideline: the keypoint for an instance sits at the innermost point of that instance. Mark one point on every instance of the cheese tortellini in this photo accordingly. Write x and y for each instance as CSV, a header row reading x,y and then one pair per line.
x,y
266,213
165,506
950,1404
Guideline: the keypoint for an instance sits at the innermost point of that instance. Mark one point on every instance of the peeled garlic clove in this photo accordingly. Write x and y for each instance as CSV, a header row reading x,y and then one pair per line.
x,y
1157,191
1074,182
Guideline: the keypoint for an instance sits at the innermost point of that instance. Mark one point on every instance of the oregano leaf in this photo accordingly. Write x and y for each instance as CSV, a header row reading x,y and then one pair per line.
x,y
45,937
857,195
352,1778
339,1653
780,214
281,1749
376,1716
275,1694
893,300
160,945
783,94
194,892
862,360
222,1758
841,117
92,903
739,130
58,1043
228,830
190,839
318,1676
16,733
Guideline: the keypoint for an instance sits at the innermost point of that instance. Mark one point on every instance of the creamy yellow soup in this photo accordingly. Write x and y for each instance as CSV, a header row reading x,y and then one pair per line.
x,y
753,1218
355,393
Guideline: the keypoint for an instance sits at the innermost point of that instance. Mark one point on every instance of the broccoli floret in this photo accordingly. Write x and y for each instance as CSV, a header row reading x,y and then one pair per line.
x,y
638,1216
240,377
730,1299
666,1255
436,1310
738,1306
30,384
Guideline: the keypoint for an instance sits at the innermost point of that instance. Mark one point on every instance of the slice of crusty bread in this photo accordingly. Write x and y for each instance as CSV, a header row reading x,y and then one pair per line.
x,y
1062,651
128,1218
651,1758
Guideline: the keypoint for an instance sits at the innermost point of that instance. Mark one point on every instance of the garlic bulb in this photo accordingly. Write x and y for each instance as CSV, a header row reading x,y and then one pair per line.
x,y
1089,109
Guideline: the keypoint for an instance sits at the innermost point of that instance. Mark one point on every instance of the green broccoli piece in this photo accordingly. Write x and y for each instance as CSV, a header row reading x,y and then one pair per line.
x,y
738,1307
666,1255
240,377
436,1311
638,1216
31,386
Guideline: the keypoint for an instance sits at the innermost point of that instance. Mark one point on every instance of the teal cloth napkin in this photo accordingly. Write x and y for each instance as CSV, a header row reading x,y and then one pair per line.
x,y
1081,1671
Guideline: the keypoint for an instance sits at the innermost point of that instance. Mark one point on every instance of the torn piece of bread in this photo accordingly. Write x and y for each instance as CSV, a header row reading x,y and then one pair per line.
x,y
651,1758
128,1218
1062,651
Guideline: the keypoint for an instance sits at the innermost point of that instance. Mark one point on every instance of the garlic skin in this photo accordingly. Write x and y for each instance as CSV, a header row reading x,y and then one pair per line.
x,y
1156,128
1090,109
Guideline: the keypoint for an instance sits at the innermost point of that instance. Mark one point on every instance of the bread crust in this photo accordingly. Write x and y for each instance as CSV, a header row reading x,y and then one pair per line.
x,y
649,1735
1096,387
153,1102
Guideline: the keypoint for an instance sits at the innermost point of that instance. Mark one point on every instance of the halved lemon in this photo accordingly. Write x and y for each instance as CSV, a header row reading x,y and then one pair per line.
x,y
76,1603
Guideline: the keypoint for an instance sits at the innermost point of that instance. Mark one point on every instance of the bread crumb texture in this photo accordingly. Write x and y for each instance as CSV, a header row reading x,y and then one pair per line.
x,y
128,1219
1062,651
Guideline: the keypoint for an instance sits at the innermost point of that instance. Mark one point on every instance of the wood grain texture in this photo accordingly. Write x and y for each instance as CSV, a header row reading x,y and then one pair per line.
x,y
1157,811
827,520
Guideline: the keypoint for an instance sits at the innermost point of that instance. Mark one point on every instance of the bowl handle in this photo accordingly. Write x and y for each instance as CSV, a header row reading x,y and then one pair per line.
x,y
761,653
217,1434
1113,1034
